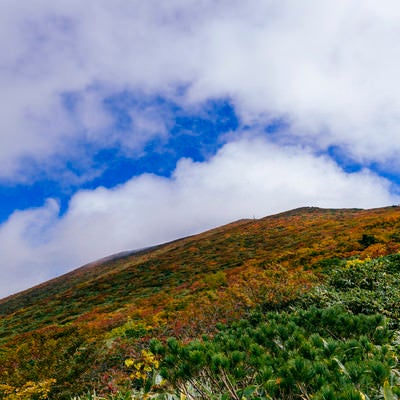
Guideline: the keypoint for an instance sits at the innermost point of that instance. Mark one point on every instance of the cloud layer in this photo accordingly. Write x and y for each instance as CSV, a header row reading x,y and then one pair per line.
x,y
329,68
246,178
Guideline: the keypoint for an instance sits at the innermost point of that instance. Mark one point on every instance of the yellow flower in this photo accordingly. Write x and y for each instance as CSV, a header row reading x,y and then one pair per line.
x,y
138,365
129,362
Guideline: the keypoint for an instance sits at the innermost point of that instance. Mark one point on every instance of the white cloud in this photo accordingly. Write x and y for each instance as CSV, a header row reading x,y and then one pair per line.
x,y
26,247
331,68
246,178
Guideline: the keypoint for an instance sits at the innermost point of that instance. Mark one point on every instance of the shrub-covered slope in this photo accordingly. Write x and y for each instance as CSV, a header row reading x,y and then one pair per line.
x,y
339,341
74,333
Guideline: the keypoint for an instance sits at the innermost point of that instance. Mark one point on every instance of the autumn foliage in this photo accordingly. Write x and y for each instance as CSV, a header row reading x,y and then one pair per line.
x,y
75,333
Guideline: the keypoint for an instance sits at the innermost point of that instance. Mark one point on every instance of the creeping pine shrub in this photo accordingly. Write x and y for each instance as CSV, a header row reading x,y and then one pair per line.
x,y
337,342
298,354
361,286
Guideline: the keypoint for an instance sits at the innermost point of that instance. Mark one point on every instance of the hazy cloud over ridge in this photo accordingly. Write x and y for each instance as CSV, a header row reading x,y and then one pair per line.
x,y
245,179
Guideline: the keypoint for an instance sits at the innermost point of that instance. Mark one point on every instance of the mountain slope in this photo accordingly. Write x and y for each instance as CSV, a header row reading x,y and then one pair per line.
x,y
297,237
302,232
180,288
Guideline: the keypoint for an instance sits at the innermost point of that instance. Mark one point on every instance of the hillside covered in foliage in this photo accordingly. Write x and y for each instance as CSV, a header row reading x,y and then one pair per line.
x,y
299,305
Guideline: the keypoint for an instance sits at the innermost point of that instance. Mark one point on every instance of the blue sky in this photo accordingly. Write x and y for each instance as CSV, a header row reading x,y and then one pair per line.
x,y
195,135
127,123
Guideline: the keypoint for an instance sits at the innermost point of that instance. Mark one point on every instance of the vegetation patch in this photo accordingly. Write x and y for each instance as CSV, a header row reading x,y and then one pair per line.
x,y
302,305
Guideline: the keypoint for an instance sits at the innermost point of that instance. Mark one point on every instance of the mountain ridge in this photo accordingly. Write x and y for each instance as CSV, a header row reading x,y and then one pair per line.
x,y
123,254
115,257
127,253
108,261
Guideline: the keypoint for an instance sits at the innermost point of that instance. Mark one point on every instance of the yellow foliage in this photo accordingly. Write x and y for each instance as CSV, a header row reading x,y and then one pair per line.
x,y
129,362
30,390
215,280
143,366
130,328
357,261
6,389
